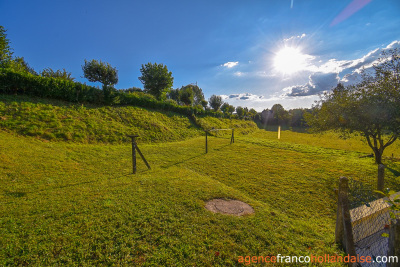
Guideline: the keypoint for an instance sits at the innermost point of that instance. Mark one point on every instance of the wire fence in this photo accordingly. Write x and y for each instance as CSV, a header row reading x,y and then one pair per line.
x,y
370,220
363,221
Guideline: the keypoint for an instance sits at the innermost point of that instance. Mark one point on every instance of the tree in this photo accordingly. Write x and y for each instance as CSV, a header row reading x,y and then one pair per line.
x,y
59,74
6,59
156,79
371,108
174,94
20,65
240,111
98,71
5,49
227,109
280,114
296,117
252,113
204,104
215,102
198,95
186,96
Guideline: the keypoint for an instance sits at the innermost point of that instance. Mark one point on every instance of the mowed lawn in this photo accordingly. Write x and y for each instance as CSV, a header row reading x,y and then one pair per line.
x,y
78,204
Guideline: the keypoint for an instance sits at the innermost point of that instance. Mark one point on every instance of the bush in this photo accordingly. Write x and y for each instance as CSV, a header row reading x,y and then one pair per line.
x,y
12,82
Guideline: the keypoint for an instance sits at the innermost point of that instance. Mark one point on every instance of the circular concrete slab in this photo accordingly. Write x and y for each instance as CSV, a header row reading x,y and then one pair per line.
x,y
230,207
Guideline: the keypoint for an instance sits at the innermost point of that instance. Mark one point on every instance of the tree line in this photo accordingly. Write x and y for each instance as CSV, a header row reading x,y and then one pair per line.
x,y
157,83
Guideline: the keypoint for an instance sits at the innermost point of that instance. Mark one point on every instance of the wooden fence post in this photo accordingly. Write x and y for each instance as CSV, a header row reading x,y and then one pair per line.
x,y
339,231
134,149
344,231
394,242
381,177
233,136
133,152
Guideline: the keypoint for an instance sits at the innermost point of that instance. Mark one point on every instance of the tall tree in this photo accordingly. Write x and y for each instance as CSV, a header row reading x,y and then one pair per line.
x,y
98,71
6,59
5,49
186,96
215,102
371,108
156,79
240,111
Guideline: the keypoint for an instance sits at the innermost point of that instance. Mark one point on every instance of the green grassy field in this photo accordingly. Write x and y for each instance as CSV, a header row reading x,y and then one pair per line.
x,y
69,203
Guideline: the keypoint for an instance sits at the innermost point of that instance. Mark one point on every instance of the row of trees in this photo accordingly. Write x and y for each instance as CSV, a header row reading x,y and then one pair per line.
x,y
157,81
277,115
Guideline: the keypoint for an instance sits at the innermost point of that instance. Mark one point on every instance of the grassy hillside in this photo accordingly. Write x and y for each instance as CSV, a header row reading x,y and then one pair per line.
x,y
56,120
77,204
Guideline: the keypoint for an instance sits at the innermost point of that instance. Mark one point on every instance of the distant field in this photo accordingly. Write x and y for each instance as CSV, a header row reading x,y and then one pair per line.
x,y
78,204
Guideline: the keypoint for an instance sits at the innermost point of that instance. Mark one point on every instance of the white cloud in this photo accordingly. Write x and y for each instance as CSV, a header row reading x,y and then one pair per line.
x,y
317,83
327,75
259,103
241,96
238,73
295,37
230,64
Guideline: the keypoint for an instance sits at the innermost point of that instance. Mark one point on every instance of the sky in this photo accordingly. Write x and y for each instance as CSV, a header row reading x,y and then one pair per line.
x,y
253,53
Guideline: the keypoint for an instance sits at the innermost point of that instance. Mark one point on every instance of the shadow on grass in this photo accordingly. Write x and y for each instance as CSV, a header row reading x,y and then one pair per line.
x,y
196,156
395,172
23,194
15,194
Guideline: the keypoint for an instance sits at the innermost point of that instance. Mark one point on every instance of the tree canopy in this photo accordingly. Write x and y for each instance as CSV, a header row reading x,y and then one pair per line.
x,y
156,79
5,49
215,102
371,108
227,109
59,74
98,71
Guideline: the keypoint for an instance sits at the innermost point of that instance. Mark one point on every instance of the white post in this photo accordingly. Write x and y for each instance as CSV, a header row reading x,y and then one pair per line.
x,y
279,132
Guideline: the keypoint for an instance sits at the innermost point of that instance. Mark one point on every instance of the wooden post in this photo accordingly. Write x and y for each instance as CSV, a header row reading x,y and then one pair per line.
x,y
339,231
394,242
233,136
344,231
206,142
381,177
133,152
141,155
134,149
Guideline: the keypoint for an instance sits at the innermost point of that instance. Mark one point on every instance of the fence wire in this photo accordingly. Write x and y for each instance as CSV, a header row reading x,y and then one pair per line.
x,y
370,219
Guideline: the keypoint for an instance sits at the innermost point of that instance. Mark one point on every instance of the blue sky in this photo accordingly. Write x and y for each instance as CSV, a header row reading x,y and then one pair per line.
x,y
230,48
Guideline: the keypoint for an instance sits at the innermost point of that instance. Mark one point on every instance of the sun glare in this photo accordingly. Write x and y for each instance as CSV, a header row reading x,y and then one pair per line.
x,y
290,60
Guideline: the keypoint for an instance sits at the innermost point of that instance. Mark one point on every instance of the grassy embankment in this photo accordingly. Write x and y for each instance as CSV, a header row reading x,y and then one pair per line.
x,y
67,203
59,121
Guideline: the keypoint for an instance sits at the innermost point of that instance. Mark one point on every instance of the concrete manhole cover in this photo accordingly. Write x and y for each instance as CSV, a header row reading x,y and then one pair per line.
x,y
232,207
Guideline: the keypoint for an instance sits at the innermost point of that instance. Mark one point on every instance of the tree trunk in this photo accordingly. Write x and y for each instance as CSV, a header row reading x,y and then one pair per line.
x,y
378,156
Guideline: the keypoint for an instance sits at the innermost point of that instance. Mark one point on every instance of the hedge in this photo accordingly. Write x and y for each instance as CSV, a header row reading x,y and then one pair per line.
x,y
12,82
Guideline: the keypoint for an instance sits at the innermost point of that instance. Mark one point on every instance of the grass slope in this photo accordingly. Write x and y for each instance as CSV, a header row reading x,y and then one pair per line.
x,y
78,204
57,120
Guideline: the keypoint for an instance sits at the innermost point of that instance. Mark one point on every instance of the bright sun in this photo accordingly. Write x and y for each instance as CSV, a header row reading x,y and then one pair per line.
x,y
290,60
